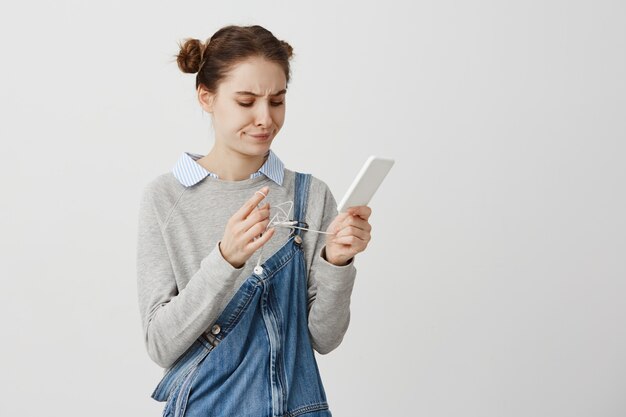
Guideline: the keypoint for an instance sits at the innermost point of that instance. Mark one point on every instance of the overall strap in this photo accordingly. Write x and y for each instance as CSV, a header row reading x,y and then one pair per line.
x,y
300,198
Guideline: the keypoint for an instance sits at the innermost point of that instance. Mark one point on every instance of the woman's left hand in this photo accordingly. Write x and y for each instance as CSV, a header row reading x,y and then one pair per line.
x,y
351,235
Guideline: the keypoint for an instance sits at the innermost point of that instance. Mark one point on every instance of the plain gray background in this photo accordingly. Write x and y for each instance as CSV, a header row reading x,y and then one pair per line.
x,y
495,281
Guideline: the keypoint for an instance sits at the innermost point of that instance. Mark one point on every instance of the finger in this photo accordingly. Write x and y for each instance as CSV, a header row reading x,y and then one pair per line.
x,y
355,221
256,230
252,203
363,212
351,240
257,215
338,221
256,244
354,231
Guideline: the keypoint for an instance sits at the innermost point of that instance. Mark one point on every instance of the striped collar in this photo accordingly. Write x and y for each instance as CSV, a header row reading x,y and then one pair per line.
x,y
188,172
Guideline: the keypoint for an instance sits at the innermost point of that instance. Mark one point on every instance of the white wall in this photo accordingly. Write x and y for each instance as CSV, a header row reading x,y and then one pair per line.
x,y
495,281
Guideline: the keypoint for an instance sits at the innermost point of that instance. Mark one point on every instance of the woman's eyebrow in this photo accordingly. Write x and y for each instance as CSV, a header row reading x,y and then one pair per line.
x,y
249,93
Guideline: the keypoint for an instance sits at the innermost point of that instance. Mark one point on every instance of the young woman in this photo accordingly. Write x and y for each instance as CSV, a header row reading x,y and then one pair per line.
x,y
234,296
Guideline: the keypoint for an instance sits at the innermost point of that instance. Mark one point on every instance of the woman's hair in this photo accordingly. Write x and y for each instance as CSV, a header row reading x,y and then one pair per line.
x,y
229,46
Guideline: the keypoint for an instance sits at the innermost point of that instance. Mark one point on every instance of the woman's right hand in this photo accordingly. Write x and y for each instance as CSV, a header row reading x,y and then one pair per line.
x,y
238,243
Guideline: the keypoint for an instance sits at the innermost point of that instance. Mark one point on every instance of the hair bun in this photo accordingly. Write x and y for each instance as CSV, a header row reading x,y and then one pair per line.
x,y
190,56
287,49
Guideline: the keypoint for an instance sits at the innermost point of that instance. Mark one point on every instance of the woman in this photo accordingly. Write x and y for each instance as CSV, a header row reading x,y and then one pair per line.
x,y
236,333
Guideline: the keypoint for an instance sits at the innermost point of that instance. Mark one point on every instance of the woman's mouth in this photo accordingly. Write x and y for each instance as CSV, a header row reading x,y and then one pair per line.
x,y
260,137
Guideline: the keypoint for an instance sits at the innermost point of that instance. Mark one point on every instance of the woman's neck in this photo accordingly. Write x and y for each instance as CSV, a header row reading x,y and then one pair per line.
x,y
230,165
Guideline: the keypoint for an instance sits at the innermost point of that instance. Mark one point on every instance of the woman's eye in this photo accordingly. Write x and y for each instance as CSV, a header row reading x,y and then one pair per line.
x,y
275,104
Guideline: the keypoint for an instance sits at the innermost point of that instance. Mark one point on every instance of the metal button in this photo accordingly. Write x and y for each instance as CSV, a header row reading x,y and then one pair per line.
x,y
216,329
258,270
298,239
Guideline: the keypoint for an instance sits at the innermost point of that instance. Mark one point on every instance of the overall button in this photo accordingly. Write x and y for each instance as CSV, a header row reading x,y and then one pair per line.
x,y
216,329
298,239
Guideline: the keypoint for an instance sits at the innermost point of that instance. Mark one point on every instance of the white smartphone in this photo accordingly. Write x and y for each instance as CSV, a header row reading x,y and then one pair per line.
x,y
366,182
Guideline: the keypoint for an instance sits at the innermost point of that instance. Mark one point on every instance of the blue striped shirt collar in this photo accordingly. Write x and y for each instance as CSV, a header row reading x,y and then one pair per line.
x,y
188,172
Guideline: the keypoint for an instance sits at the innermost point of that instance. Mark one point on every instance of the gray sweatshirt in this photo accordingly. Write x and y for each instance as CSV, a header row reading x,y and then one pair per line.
x,y
184,282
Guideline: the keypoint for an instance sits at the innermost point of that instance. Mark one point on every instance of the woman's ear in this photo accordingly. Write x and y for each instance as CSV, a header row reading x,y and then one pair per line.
x,y
206,98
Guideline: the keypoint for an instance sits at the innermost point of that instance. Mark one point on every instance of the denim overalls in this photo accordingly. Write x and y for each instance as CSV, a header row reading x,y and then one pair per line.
x,y
257,359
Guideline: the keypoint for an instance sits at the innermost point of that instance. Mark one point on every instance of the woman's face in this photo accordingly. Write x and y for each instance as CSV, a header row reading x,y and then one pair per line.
x,y
250,101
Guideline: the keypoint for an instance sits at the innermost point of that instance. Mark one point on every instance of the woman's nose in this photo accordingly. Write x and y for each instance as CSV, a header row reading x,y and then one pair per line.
x,y
263,116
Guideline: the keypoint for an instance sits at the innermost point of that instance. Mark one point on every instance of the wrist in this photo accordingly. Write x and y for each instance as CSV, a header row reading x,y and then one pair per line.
x,y
334,261
234,264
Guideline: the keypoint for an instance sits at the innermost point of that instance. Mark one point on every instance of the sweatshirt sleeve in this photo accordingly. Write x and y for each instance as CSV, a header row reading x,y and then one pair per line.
x,y
329,288
173,320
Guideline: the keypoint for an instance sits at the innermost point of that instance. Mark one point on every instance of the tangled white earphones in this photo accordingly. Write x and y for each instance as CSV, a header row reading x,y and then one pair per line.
x,y
281,222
